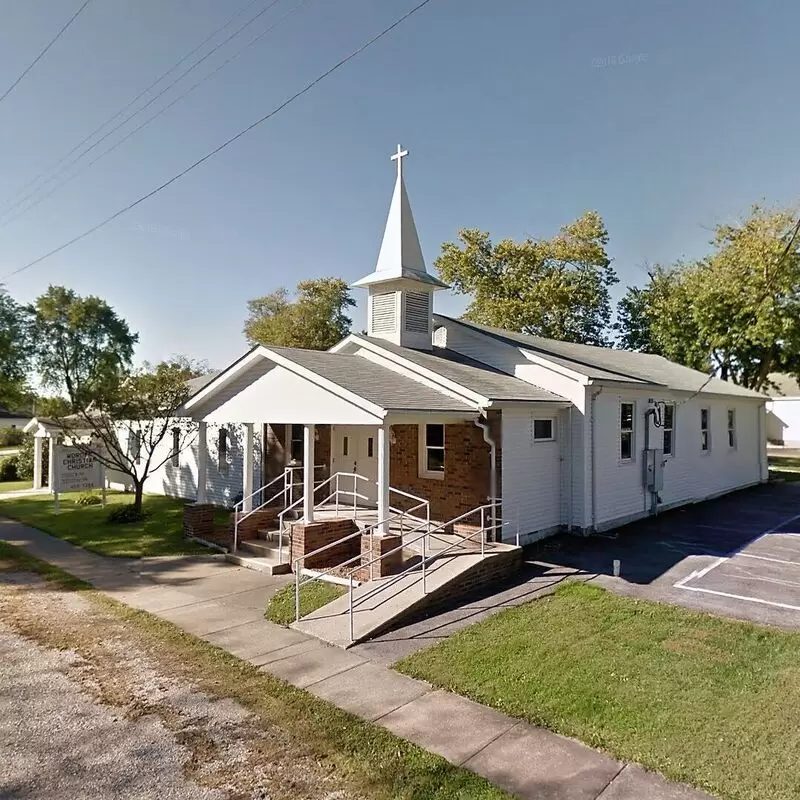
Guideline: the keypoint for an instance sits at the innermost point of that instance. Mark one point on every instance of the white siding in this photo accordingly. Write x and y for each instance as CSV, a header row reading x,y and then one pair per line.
x,y
181,481
532,473
690,474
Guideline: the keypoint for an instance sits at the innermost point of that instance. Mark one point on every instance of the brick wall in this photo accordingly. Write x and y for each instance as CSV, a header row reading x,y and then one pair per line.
x,y
198,520
493,570
466,469
374,546
308,537
249,526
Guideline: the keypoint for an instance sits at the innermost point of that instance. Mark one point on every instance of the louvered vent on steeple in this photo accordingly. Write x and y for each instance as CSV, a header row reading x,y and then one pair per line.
x,y
418,312
384,313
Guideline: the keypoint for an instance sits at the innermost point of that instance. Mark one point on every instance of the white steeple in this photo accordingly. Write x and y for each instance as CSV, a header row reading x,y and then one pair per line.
x,y
400,304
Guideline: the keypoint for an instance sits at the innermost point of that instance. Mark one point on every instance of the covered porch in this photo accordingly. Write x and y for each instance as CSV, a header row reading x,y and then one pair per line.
x,y
374,450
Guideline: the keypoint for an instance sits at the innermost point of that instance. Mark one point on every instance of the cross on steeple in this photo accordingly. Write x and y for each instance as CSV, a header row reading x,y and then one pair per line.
x,y
398,157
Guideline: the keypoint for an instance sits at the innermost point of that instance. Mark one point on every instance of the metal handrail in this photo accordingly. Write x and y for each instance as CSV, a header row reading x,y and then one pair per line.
x,y
321,575
425,558
236,514
335,476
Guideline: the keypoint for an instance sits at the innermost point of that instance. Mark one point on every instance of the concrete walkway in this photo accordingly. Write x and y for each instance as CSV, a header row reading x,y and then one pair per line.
x,y
224,604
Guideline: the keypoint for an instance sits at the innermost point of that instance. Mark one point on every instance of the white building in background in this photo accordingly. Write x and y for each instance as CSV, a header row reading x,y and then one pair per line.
x,y
783,411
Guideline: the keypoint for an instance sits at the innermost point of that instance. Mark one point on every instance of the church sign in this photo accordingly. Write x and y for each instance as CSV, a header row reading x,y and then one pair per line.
x,y
77,471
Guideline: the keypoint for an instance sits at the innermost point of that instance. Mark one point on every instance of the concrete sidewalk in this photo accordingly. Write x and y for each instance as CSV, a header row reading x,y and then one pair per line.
x,y
224,605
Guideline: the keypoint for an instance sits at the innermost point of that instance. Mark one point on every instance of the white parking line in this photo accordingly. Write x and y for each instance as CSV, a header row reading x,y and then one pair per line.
x,y
699,573
741,597
766,558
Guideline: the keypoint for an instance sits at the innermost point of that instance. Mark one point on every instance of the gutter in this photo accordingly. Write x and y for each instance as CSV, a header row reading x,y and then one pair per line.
x,y
592,459
482,422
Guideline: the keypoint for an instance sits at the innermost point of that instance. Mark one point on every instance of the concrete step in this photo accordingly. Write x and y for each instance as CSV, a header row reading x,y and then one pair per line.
x,y
377,611
265,548
260,563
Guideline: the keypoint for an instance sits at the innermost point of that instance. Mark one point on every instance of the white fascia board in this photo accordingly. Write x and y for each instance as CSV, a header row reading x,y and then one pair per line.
x,y
263,352
413,370
333,388
213,386
543,361
533,404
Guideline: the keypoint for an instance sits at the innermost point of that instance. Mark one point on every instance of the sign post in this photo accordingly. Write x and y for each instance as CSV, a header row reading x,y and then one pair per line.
x,y
54,476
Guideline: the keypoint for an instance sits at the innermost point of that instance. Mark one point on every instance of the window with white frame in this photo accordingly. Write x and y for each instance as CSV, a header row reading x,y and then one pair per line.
x,y
176,447
668,429
705,429
222,451
732,428
431,450
544,429
627,418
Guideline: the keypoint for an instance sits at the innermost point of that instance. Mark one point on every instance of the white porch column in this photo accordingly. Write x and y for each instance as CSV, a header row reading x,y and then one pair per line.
x,y
37,462
247,476
202,462
51,463
308,473
383,479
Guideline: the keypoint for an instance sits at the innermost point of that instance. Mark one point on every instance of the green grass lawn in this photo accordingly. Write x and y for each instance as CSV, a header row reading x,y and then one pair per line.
x,y
712,702
280,608
161,534
15,486
787,469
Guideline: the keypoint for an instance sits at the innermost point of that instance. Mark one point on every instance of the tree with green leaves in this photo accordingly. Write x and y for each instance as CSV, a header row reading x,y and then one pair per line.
x,y
316,319
557,288
125,429
736,312
82,347
15,352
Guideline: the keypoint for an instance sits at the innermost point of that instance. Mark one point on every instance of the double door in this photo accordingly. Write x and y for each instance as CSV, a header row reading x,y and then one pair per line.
x,y
354,449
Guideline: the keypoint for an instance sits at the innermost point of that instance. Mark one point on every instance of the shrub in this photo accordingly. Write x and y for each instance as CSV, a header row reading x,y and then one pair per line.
x,y
25,464
122,515
88,499
11,437
9,468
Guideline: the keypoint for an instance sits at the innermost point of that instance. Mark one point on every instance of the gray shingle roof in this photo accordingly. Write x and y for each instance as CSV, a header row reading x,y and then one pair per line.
x,y
380,385
605,363
784,385
473,375
196,384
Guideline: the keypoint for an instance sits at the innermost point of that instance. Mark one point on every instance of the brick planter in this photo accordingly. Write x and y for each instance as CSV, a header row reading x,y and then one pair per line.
x,y
198,520
379,546
308,537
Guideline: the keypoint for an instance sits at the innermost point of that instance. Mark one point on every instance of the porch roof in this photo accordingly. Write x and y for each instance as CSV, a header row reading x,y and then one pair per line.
x,y
379,385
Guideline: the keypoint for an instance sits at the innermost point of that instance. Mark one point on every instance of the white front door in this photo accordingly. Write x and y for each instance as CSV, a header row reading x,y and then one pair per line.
x,y
354,448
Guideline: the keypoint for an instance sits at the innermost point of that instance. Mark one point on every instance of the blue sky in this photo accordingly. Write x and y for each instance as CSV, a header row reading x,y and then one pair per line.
x,y
667,118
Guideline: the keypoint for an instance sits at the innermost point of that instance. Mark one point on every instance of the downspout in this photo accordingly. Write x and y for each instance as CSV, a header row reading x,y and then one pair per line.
x,y
482,422
571,518
762,419
592,459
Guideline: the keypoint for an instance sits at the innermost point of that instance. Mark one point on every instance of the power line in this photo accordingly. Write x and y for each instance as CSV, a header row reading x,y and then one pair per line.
x,y
143,125
42,54
119,113
307,88
152,100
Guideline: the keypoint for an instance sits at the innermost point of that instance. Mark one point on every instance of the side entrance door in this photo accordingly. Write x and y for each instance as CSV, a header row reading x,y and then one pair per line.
x,y
354,449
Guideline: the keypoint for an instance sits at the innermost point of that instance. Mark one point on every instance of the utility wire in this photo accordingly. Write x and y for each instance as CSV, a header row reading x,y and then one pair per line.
x,y
307,88
42,54
150,119
119,113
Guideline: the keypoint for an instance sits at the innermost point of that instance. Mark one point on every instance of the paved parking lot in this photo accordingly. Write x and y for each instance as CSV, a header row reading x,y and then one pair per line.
x,y
738,556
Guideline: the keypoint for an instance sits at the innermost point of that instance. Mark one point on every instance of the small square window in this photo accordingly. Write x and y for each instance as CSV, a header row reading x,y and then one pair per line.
x,y
543,430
